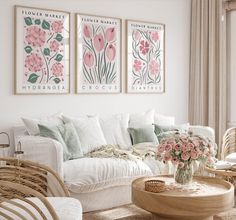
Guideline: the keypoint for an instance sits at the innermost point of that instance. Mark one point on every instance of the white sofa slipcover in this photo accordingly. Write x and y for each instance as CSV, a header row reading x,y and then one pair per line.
x,y
97,183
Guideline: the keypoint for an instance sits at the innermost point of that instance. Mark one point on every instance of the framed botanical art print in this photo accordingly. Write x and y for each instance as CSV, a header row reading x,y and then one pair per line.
x,y
42,51
98,59
145,57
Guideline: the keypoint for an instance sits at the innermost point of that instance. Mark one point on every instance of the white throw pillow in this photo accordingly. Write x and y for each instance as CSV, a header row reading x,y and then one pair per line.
x,y
163,120
31,124
115,130
89,131
139,120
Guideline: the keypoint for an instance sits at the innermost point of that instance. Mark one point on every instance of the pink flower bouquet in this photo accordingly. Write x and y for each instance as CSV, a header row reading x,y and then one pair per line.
x,y
182,149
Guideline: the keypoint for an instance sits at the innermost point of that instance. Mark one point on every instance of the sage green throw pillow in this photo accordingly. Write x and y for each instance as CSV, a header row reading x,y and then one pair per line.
x,y
144,134
67,136
168,131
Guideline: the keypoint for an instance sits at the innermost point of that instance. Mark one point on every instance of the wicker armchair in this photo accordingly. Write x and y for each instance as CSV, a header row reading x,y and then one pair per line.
x,y
32,191
229,142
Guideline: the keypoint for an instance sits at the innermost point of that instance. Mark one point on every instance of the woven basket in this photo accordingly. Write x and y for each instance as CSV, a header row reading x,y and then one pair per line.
x,y
155,186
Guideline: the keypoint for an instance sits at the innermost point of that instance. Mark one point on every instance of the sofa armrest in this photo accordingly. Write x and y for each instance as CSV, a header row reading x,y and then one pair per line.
x,y
44,151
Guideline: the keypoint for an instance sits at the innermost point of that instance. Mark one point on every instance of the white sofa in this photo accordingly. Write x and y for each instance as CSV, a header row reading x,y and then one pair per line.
x,y
98,183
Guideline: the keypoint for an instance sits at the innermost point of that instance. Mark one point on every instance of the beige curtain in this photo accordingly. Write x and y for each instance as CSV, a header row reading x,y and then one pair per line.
x,y
208,78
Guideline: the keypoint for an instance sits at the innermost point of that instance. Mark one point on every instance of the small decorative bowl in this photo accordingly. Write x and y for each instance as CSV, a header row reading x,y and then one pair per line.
x,y
155,186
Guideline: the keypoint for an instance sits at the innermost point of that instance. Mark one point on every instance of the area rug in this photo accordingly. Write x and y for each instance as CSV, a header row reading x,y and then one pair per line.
x,y
132,212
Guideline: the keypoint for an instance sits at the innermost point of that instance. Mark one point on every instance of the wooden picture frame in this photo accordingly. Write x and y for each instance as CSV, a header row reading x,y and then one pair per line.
x,y
98,54
145,57
42,51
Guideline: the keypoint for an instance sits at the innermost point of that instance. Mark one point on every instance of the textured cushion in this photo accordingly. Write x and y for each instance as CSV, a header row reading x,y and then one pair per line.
x,y
203,131
66,208
139,120
164,131
115,130
93,174
144,134
89,132
32,124
163,120
67,136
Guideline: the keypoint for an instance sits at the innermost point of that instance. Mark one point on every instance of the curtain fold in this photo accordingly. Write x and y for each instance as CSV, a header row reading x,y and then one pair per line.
x,y
208,77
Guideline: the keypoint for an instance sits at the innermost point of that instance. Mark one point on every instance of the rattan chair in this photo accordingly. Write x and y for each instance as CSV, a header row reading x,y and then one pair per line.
x,y
229,142
33,190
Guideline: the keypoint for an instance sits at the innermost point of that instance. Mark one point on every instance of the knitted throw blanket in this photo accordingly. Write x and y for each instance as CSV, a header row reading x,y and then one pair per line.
x,y
113,151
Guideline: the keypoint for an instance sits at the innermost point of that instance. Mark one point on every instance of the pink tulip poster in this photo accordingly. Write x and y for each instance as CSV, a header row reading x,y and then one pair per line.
x,y
146,63
42,51
98,54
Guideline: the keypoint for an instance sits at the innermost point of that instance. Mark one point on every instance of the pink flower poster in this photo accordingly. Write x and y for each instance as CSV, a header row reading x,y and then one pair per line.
x,y
145,51
98,54
42,51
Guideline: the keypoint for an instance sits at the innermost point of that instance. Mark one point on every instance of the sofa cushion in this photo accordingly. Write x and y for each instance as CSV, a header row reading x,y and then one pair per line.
x,y
66,208
31,124
166,131
89,131
93,174
160,119
115,130
143,134
138,120
67,136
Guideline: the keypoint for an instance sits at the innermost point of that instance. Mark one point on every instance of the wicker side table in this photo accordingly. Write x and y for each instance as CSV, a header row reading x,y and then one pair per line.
x,y
227,175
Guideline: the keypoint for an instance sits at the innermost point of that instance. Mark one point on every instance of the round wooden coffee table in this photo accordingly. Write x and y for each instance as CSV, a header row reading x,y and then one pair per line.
x,y
200,200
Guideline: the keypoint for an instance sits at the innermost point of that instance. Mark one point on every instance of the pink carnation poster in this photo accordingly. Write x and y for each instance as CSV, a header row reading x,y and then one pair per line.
x,y
145,61
42,51
98,54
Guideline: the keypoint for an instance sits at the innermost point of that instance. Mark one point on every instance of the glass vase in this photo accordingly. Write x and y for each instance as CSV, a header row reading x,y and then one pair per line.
x,y
184,175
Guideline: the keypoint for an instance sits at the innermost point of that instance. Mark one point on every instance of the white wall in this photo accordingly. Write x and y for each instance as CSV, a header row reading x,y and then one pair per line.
x,y
174,13
231,53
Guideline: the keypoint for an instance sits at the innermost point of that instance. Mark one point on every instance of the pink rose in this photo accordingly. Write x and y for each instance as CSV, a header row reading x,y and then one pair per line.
x,y
171,142
161,148
57,69
154,67
167,156
35,36
184,147
195,142
89,59
177,147
190,146
185,156
194,154
98,42
57,26
54,46
155,36
181,165
144,47
111,52
168,147
137,65
174,161
33,62
110,34
87,31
